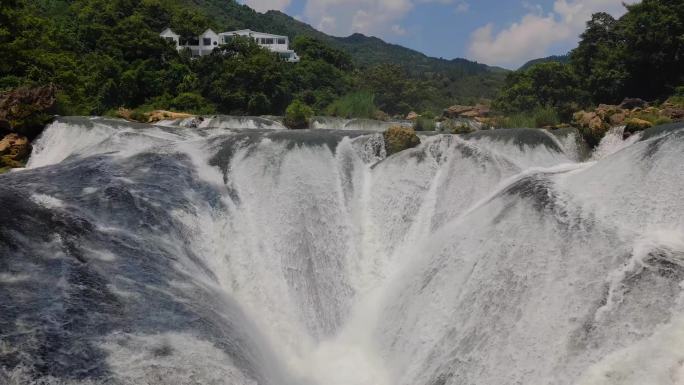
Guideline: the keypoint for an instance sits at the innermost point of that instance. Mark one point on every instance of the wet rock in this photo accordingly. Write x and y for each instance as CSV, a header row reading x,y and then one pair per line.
x,y
618,118
151,117
412,116
14,149
26,111
193,122
673,113
635,124
605,111
632,103
398,138
159,115
476,111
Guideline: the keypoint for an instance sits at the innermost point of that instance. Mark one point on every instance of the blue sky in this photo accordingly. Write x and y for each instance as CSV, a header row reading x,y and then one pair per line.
x,y
504,33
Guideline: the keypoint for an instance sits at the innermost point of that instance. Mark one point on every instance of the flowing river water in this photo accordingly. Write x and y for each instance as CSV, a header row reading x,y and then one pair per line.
x,y
241,253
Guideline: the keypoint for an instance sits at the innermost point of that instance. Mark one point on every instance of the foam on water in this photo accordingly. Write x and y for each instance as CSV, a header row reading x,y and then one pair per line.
x,y
164,255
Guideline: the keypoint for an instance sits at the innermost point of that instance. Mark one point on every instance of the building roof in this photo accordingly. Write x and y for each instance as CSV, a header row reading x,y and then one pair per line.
x,y
249,31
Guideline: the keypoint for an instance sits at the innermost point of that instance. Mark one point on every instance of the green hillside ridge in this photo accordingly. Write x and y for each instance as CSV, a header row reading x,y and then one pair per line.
x,y
365,50
563,59
457,80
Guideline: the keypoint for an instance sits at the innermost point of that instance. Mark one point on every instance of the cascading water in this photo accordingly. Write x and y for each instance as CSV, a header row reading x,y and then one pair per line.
x,y
135,254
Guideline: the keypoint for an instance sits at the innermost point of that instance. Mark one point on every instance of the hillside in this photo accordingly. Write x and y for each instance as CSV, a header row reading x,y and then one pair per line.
x,y
106,54
365,50
564,59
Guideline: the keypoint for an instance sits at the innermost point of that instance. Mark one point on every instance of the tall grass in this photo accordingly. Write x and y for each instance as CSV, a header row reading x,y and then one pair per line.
x,y
424,124
537,118
359,104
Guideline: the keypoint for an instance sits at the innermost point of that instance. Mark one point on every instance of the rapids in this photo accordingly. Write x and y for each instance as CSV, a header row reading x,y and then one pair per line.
x,y
241,253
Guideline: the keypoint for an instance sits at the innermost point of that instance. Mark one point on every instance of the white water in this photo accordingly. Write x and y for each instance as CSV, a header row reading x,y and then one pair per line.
x,y
464,261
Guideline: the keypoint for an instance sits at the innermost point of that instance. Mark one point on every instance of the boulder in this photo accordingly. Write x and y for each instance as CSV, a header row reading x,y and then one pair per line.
x,y
618,118
472,114
398,138
584,118
673,113
635,124
26,111
412,116
606,110
632,103
193,122
456,110
459,111
158,115
596,124
14,149
381,115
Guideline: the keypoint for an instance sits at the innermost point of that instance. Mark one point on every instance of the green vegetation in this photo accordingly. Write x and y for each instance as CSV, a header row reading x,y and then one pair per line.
x,y
298,115
455,127
360,104
106,54
537,118
638,55
563,59
398,138
425,123
544,86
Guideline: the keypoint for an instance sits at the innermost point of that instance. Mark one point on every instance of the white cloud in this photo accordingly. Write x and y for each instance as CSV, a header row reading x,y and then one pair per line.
x,y
462,6
536,32
342,17
267,5
370,17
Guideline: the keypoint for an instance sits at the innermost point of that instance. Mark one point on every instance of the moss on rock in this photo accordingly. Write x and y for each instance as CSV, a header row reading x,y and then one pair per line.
x,y
298,115
398,138
14,150
635,124
26,111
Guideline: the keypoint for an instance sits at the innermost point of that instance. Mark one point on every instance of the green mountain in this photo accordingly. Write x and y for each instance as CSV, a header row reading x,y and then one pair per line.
x,y
365,50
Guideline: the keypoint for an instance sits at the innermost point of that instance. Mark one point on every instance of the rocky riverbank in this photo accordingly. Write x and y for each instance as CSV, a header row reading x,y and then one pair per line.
x,y
24,112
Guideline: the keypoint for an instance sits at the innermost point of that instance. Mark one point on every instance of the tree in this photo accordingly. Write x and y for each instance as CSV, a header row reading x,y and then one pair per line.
x,y
639,55
312,49
599,59
551,84
653,35
392,90
241,77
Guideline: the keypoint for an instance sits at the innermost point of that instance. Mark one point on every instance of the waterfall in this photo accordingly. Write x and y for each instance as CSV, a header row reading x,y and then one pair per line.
x,y
236,252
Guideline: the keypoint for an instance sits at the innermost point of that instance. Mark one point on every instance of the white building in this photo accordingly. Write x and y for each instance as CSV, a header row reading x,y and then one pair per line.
x,y
206,42
276,43
199,46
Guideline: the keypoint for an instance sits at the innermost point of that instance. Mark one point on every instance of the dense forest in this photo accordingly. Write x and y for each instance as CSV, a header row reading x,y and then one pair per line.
x,y
106,54
639,55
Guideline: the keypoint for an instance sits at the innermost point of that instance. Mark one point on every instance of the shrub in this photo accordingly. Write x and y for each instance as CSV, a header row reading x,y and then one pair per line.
x,y
537,118
191,103
424,124
461,128
355,105
662,120
138,116
545,116
298,115
398,138
635,125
